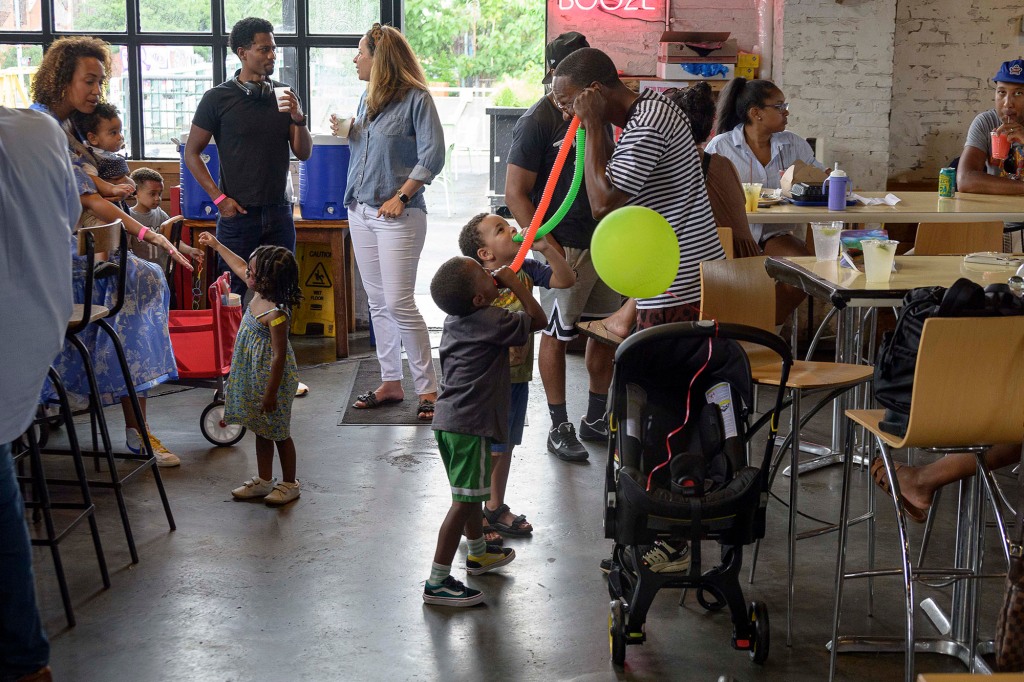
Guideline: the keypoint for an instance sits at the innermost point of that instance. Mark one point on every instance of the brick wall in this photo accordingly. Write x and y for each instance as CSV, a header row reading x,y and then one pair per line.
x,y
835,64
946,52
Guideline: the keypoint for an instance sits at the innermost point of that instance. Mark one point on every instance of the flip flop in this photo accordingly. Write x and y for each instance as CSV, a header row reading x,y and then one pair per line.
x,y
371,402
596,330
915,514
425,407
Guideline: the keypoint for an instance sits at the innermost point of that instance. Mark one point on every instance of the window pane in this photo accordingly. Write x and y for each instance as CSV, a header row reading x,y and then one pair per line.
x,y
117,88
169,16
20,15
281,13
334,86
342,16
94,15
17,64
285,69
174,79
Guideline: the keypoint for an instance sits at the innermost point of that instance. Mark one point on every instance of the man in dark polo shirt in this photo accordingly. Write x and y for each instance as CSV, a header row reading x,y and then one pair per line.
x,y
536,139
253,140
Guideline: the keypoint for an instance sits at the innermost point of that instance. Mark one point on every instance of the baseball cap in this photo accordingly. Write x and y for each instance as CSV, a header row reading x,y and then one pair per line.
x,y
1011,72
560,48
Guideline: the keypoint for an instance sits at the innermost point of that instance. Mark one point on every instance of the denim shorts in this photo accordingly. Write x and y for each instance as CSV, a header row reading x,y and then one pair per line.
x,y
516,416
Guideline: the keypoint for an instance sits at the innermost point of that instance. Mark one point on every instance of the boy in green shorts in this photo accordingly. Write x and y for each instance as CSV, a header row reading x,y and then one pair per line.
x,y
487,238
472,411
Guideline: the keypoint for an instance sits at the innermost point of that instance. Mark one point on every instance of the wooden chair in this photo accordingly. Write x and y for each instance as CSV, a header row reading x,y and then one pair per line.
x,y
110,238
968,389
941,239
741,292
725,236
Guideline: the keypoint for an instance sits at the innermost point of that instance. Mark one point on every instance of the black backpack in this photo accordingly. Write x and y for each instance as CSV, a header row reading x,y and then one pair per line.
x,y
897,354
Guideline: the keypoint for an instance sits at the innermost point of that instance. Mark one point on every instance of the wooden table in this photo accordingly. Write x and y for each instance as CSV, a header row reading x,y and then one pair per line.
x,y
914,207
334,233
844,287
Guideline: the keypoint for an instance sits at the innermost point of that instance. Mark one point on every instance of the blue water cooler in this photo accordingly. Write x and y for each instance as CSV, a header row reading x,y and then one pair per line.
x,y
196,204
323,179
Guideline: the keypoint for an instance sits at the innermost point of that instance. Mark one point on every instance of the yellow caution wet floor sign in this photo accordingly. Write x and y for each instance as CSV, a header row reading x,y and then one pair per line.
x,y
315,313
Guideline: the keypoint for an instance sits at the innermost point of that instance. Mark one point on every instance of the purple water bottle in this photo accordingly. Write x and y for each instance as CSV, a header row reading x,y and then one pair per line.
x,y
836,184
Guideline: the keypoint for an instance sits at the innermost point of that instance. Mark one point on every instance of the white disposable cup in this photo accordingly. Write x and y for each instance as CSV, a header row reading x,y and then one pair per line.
x,y
282,98
879,256
826,239
344,125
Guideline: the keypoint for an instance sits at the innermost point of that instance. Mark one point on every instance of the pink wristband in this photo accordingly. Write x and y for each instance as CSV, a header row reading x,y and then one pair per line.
x,y
222,197
142,233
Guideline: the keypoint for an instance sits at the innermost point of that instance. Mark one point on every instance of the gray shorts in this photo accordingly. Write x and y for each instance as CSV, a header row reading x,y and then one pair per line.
x,y
588,299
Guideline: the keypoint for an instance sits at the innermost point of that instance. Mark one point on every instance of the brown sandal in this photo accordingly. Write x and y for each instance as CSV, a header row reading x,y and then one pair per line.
x,y
915,514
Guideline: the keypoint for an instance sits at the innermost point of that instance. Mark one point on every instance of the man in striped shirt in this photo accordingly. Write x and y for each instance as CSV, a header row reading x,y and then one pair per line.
x,y
654,164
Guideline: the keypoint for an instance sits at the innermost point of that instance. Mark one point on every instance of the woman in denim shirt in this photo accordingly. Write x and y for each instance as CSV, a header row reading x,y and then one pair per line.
x,y
397,146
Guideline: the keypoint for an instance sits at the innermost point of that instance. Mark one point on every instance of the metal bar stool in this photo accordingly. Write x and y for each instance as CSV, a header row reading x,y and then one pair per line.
x,y
968,388
90,240
43,505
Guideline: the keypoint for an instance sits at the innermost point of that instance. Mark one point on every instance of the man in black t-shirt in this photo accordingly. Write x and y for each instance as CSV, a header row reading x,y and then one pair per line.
x,y
536,139
253,140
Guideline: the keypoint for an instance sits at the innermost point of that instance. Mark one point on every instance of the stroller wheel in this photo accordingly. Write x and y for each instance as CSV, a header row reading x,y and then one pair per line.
x,y
762,636
215,430
617,633
710,599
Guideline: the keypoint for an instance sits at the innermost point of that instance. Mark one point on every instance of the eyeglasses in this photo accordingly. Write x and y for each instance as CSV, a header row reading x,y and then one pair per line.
x,y
783,107
564,108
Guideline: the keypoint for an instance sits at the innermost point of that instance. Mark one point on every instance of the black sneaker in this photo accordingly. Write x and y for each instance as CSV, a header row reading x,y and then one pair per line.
x,y
595,431
564,445
606,565
451,593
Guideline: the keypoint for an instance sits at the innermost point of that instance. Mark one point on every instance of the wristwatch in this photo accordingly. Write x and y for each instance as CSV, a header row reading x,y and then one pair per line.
x,y
301,123
403,197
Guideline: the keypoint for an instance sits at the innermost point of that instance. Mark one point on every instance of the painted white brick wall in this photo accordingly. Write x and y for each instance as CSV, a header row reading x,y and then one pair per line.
x,y
834,62
946,52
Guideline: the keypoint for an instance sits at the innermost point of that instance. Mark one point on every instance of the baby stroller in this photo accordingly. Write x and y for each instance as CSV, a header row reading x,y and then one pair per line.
x,y
203,342
677,470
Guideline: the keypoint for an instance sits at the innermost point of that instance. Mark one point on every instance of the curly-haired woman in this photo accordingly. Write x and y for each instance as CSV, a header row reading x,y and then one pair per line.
x,y
397,146
69,84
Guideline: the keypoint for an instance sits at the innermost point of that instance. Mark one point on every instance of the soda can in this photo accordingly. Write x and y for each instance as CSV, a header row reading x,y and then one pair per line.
x,y
947,182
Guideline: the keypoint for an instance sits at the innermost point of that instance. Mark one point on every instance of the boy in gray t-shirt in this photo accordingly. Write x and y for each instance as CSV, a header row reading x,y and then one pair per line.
x,y
149,188
472,411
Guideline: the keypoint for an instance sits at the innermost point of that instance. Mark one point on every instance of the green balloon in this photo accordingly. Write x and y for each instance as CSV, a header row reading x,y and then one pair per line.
x,y
635,251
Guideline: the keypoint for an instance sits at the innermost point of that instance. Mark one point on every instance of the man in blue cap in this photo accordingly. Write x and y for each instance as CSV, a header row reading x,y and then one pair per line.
x,y
977,171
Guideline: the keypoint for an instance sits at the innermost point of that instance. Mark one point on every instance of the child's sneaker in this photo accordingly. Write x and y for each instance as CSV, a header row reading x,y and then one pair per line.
x,y
451,593
283,493
662,558
254,487
494,557
164,457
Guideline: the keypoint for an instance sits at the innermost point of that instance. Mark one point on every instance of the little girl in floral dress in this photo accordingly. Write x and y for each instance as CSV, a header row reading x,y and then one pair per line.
x,y
261,386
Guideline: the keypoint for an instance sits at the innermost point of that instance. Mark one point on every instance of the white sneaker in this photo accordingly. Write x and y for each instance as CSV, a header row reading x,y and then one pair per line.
x,y
283,493
254,487
164,457
301,390
662,558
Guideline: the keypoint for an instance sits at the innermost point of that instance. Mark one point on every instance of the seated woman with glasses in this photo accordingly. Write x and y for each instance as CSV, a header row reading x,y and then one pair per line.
x,y
752,133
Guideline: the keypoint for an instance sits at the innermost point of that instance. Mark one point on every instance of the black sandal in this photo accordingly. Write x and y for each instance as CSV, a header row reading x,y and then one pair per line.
x,y
516,529
425,410
370,401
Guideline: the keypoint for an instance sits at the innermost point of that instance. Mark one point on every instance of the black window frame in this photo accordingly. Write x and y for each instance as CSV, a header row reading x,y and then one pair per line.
x,y
217,38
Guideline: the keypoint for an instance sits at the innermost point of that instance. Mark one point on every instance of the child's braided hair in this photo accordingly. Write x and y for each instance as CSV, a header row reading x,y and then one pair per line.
x,y
276,277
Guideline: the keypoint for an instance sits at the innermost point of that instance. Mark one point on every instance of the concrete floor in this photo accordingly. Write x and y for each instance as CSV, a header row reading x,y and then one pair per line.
x,y
328,588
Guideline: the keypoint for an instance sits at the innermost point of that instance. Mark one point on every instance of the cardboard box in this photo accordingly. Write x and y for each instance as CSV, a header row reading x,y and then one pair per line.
x,y
801,172
697,50
748,59
685,72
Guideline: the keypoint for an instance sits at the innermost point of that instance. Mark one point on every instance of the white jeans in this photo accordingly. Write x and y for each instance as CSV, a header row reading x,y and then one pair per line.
x,y
388,253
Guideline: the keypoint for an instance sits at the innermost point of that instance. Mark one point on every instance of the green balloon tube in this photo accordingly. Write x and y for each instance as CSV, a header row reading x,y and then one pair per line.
x,y
577,180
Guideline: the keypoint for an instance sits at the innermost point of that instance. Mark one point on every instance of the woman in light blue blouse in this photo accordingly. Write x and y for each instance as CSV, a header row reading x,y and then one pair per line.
x,y
752,116
397,146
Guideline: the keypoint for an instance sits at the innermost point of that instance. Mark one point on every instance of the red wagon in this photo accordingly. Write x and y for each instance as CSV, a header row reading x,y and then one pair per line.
x,y
203,342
